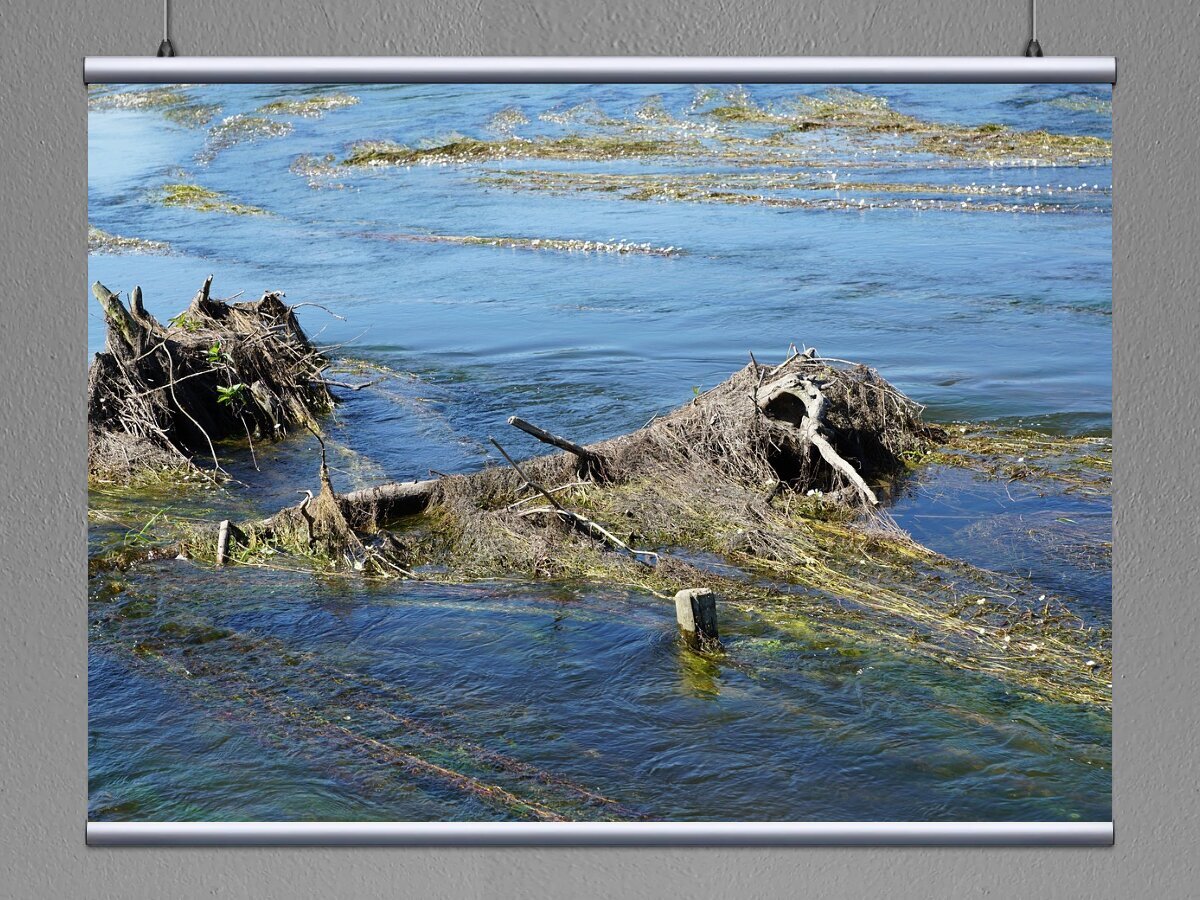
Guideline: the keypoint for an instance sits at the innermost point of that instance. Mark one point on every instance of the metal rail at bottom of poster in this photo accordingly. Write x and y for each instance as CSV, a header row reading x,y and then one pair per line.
x,y
638,834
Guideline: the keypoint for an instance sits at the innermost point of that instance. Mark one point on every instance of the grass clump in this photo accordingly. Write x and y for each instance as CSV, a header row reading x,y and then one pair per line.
x,y
202,199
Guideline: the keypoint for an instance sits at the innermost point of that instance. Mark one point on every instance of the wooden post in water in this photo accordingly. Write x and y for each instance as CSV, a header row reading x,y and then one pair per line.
x,y
696,613
223,542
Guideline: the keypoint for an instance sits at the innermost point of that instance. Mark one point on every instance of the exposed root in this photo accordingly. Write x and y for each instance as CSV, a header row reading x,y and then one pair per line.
x,y
159,395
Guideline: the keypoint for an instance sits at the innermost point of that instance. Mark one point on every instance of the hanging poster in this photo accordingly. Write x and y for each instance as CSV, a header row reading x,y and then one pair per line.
x,y
650,455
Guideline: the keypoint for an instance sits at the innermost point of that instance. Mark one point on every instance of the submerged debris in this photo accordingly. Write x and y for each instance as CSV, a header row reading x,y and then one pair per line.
x,y
161,395
763,489
768,473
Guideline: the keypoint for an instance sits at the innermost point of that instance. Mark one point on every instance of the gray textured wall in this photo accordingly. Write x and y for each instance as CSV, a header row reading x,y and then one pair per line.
x,y
42,332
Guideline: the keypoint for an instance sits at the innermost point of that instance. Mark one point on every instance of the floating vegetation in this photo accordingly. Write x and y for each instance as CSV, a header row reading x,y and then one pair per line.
x,y
193,196
308,107
995,142
174,104
100,241
842,128
861,114
1083,464
320,173
240,129
557,245
752,188
464,149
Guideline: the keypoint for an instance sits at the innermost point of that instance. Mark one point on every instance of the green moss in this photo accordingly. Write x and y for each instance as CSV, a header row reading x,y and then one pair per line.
x,y
136,609
192,633
193,196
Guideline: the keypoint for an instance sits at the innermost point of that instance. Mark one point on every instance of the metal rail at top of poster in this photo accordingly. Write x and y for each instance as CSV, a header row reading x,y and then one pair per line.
x,y
601,69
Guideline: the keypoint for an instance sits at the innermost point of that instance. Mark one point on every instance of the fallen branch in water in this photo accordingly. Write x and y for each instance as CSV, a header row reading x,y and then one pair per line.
x,y
581,522
591,464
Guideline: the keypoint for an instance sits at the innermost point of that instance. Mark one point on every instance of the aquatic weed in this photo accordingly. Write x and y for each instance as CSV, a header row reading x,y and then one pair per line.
x,y
193,196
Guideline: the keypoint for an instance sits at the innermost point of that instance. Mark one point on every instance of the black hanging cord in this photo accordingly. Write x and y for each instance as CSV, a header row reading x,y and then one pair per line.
x,y
166,48
1033,48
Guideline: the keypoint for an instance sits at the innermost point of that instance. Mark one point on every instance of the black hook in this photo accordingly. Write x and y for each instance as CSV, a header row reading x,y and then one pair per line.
x,y
166,48
1033,48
